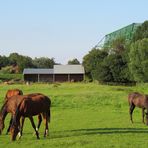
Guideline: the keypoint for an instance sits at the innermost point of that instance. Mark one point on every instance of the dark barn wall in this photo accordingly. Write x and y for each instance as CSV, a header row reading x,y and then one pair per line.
x,y
46,77
76,77
31,77
42,77
57,77
61,77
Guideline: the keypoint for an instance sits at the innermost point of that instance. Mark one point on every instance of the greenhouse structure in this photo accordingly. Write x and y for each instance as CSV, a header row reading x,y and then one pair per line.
x,y
125,32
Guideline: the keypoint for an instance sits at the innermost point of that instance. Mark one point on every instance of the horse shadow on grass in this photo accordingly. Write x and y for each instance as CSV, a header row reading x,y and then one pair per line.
x,y
97,131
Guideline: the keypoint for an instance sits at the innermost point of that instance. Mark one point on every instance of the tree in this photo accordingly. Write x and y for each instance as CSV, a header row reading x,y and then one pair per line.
x,y
24,62
139,60
14,57
91,60
141,32
118,45
102,72
4,61
74,61
112,69
43,62
20,61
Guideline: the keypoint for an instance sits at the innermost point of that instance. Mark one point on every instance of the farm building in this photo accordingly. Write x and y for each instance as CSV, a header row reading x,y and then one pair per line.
x,y
60,73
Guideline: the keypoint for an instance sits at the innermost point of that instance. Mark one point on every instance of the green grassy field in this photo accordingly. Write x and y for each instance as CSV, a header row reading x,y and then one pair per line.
x,y
83,115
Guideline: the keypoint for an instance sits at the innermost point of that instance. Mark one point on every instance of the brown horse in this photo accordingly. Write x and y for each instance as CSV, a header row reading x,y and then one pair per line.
x,y
136,99
9,94
10,106
29,107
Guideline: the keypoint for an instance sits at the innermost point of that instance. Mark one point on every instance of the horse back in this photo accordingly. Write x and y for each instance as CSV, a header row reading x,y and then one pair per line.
x,y
138,99
133,95
32,106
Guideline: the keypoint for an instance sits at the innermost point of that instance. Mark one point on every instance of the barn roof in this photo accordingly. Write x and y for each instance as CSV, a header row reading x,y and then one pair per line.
x,y
37,71
68,69
58,69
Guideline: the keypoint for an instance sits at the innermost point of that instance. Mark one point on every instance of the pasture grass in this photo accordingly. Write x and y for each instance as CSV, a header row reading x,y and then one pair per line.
x,y
85,115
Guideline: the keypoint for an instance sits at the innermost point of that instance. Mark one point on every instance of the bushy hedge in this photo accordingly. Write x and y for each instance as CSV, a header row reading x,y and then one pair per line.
x,y
8,77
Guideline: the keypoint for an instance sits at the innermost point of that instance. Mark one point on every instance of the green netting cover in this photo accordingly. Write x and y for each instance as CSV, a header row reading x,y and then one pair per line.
x,y
126,32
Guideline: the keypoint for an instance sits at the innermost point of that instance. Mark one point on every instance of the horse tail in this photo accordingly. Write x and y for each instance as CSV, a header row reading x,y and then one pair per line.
x,y
49,111
49,115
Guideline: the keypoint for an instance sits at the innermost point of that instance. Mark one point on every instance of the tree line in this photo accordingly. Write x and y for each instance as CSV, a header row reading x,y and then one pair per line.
x,y
15,63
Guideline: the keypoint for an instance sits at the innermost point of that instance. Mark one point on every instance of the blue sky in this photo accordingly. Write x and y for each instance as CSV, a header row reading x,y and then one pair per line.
x,y
63,29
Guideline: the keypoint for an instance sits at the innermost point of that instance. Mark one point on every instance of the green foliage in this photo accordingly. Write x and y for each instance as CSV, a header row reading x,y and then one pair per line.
x,y
118,45
102,72
6,70
14,58
141,32
112,69
8,77
21,61
139,60
43,62
90,60
4,61
74,61
109,65
24,62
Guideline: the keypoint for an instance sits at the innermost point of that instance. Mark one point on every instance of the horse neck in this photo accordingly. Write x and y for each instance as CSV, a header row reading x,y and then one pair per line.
x,y
17,116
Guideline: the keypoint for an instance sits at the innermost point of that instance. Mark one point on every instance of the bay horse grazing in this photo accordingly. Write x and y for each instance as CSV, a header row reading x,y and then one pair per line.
x,y
136,99
29,107
10,106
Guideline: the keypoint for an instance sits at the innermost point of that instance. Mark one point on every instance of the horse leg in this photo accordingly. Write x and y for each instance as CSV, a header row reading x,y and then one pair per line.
x,y
33,125
22,125
39,121
45,116
132,106
10,122
146,116
143,115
